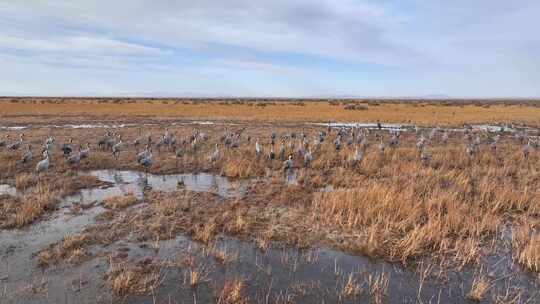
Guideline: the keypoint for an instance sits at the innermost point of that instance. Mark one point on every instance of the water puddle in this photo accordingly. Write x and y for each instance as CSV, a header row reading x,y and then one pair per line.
x,y
279,274
371,126
133,182
109,126
6,189
18,265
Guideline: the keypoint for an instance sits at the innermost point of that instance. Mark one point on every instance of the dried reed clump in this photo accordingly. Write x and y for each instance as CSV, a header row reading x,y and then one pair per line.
x,y
25,181
402,218
133,279
121,202
39,197
526,247
378,287
34,205
223,255
233,292
242,167
70,248
479,288
205,232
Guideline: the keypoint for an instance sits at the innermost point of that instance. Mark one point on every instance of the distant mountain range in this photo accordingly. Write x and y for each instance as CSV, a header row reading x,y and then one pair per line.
x,y
159,94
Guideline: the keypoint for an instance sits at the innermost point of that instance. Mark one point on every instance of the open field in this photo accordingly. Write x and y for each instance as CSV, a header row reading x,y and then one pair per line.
x,y
430,113
393,213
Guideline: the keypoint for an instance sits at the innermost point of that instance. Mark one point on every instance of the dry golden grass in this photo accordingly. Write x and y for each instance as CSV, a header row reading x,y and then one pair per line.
x,y
233,292
25,180
351,288
526,243
222,255
128,279
426,113
120,202
70,248
40,196
479,288
378,287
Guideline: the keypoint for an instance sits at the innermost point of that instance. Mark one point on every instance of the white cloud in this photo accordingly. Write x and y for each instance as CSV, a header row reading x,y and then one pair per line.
x,y
79,44
483,47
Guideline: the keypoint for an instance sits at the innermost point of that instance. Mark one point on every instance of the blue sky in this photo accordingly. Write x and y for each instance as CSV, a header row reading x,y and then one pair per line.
x,y
270,48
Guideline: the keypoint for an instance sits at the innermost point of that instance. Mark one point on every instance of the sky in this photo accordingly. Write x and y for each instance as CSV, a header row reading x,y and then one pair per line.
x,y
274,48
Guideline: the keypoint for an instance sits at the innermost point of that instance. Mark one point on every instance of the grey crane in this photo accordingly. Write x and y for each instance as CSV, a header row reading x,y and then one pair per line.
x,y
282,151
288,164
3,142
147,162
43,164
356,158
527,149
85,152
425,157
337,142
272,154
215,155
470,150
308,158
382,147
17,144
66,148
75,158
117,147
258,148
444,137
27,157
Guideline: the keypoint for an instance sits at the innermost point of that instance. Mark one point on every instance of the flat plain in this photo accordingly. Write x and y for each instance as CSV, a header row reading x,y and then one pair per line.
x,y
269,201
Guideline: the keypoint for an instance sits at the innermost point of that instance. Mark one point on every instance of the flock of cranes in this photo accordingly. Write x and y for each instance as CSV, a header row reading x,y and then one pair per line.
x,y
291,146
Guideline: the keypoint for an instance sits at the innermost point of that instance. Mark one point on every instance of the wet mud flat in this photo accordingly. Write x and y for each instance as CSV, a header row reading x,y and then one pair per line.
x,y
225,270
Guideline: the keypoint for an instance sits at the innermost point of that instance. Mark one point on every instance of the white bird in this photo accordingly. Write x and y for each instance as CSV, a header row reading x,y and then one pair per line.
x,y
43,164
258,148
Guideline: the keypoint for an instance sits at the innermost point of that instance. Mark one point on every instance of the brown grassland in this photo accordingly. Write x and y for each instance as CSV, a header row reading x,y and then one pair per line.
x,y
452,210
41,110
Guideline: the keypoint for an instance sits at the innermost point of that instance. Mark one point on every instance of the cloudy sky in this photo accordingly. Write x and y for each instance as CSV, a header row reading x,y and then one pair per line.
x,y
483,48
